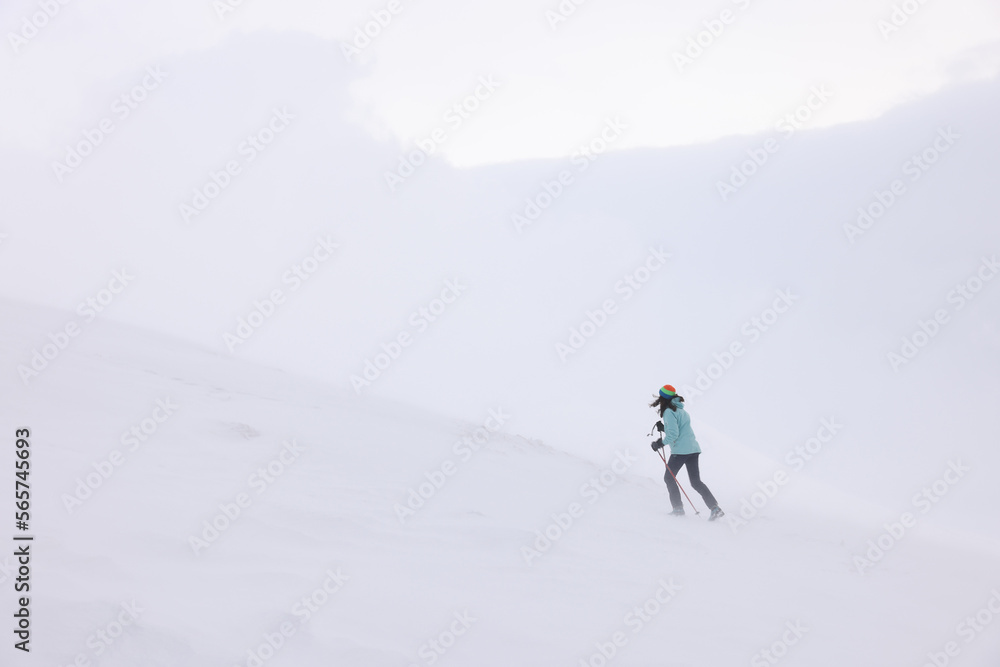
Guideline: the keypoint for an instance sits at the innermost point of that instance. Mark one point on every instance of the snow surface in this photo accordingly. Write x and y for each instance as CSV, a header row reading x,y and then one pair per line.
x,y
334,506
334,509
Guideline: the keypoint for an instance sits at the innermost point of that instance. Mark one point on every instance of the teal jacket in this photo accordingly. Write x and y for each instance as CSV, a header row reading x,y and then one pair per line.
x,y
677,431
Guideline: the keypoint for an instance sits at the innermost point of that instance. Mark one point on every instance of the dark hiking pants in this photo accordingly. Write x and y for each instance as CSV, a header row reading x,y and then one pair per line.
x,y
675,463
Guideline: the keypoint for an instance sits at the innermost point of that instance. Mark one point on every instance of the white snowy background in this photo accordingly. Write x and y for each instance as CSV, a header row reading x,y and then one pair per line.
x,y
215,480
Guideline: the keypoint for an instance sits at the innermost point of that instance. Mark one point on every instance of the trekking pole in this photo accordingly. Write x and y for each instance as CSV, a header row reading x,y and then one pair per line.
x,y
660,452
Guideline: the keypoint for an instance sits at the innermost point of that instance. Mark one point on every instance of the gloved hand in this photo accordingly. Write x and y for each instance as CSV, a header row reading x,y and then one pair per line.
x,y
659,426
656,445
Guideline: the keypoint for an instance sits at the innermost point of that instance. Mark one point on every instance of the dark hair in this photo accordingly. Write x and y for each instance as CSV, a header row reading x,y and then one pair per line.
x,y
661,403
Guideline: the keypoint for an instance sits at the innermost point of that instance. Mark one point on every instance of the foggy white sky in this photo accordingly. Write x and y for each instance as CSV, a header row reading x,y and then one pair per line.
x,y
557,85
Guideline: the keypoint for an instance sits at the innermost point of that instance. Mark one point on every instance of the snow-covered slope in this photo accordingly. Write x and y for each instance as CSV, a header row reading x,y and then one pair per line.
x,y
321,562
201,449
